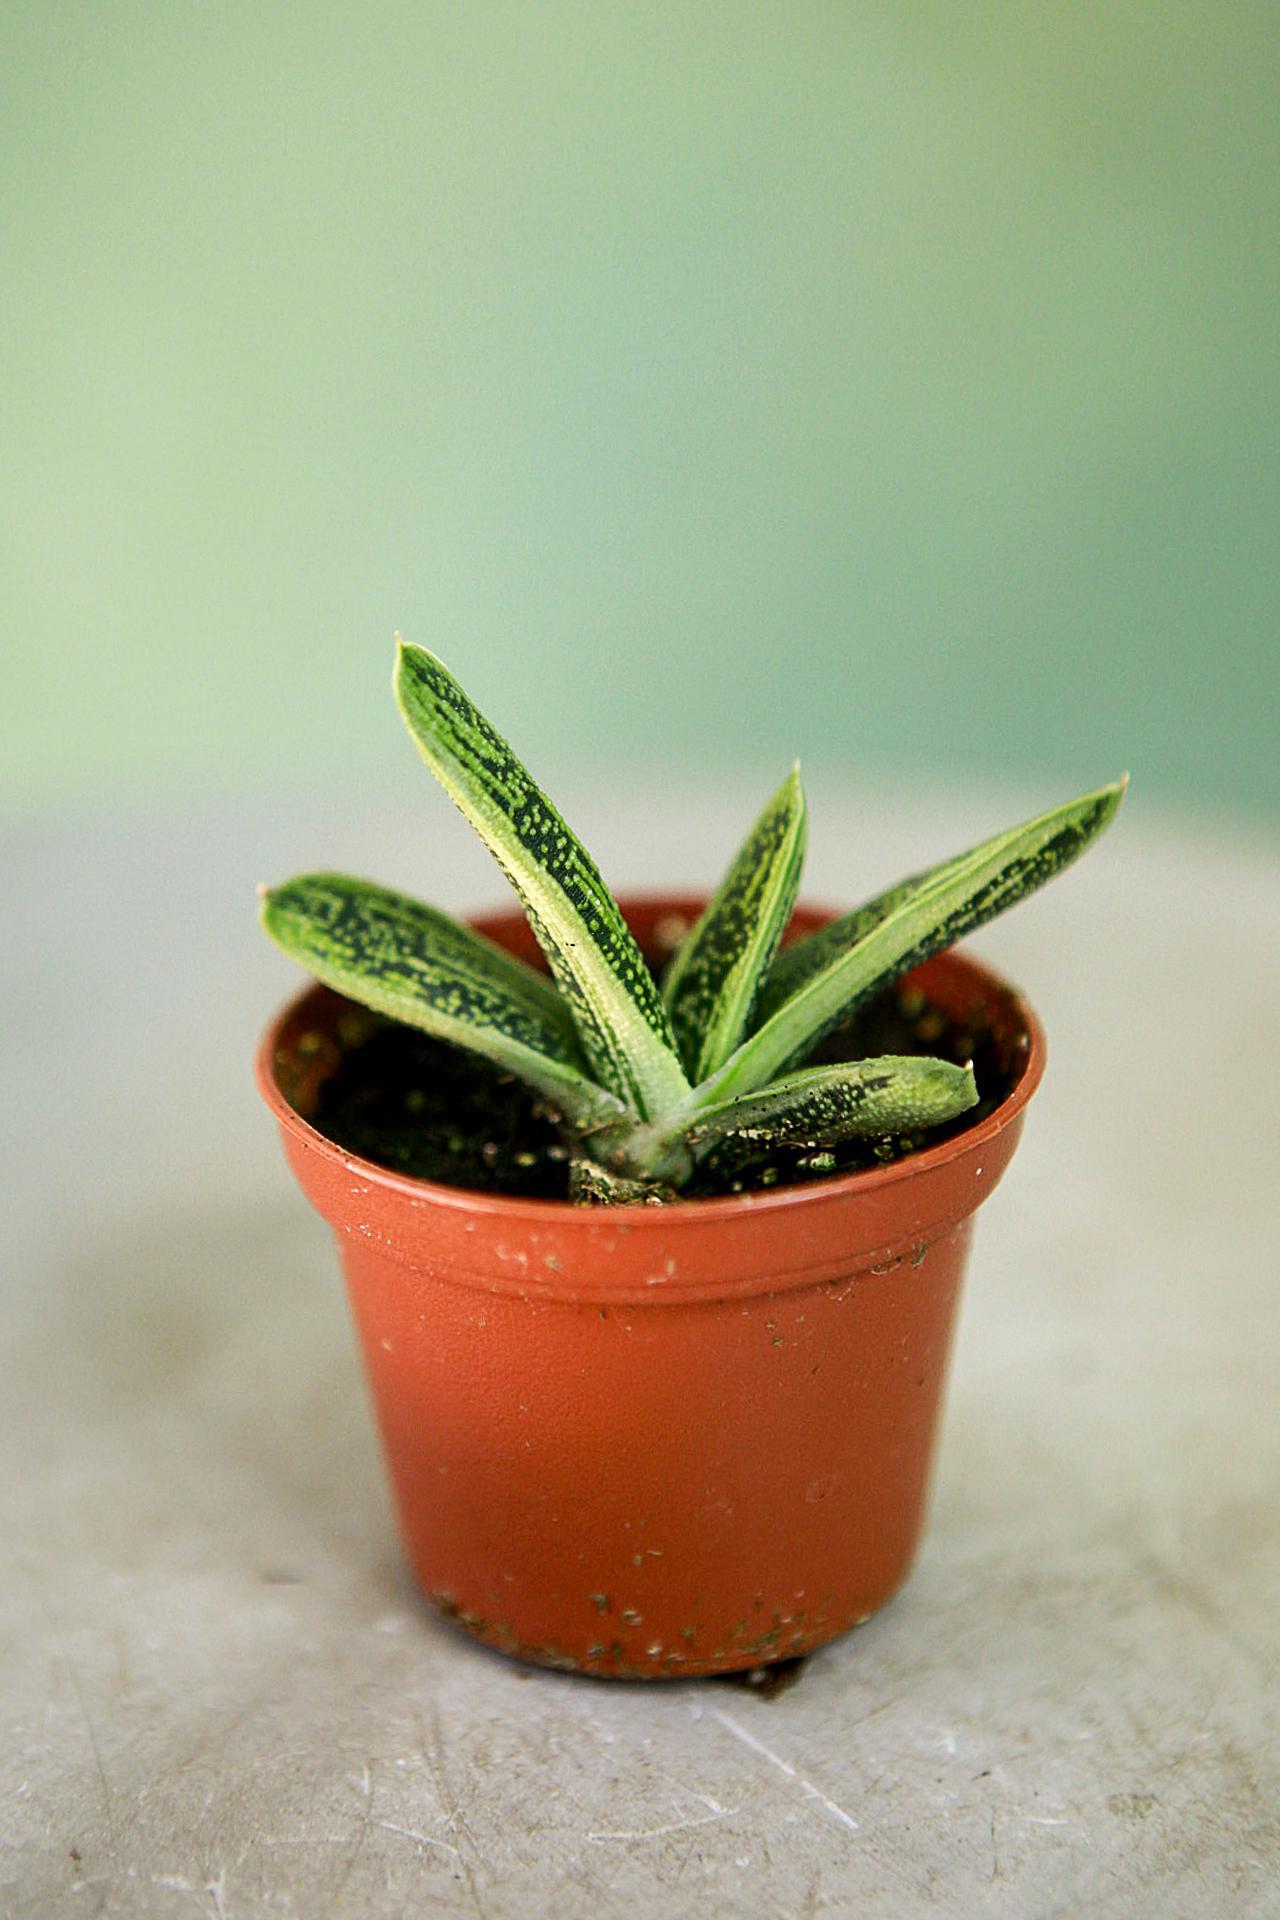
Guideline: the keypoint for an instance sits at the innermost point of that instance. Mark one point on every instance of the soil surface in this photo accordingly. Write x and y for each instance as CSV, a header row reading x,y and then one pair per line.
x,y
427,1109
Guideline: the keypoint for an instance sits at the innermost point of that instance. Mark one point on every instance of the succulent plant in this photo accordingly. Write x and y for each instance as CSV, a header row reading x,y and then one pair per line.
x,y
647,1081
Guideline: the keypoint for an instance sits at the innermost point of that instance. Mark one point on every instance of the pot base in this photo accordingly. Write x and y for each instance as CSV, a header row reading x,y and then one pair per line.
x,y
603,1660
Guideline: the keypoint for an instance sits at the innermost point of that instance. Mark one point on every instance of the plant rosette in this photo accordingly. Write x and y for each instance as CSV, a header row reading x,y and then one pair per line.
x,y
682,1421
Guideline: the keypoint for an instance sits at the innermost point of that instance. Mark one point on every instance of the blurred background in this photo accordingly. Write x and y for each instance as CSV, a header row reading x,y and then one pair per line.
x,y
892,385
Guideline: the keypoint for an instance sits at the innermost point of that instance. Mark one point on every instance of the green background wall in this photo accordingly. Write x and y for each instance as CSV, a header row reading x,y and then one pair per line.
x,y
885,382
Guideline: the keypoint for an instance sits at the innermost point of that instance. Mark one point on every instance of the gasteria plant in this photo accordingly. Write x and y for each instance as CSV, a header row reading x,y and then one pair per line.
x,y
648,1082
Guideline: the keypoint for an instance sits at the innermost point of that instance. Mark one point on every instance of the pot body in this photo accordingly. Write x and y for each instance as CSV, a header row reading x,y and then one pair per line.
x,y
657,1441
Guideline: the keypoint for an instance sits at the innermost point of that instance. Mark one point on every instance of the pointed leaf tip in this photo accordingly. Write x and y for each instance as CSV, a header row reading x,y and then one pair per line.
x,y
596,963
711,985
825,977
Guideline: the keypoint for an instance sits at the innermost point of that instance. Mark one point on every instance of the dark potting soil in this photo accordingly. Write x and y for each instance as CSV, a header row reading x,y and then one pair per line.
x,y
424,1108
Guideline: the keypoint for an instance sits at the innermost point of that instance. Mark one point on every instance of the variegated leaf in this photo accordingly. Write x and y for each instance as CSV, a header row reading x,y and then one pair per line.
x,y
922,919
599,969
803,958
406,959
711,985
821,1106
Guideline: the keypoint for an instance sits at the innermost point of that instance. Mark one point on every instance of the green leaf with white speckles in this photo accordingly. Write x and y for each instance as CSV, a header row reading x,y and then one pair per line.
x,y
711,985
804,958
597,966
819,1107
908,926
406,959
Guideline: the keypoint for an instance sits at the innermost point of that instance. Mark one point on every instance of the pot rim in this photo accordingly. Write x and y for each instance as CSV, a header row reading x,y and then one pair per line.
x,y
771,1200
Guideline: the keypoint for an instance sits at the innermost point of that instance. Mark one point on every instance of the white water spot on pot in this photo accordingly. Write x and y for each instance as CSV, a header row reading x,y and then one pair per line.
x,y
717,1503
515,1255
387,1346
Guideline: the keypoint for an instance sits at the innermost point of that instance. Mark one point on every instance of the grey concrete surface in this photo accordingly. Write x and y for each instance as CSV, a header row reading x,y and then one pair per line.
x,y
220,1698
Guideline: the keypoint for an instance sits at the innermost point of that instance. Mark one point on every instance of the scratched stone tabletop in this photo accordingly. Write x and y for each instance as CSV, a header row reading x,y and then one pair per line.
x,y
221,1699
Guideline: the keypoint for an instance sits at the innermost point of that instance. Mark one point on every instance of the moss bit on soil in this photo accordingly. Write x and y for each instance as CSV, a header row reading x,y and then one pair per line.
x,y
429,1110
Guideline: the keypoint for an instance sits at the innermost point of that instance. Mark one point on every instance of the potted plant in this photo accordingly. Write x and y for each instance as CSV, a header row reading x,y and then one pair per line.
x,y
653,1215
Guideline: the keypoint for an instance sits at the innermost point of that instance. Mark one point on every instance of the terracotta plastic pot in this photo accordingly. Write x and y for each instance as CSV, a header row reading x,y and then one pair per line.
x,y
657,1441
